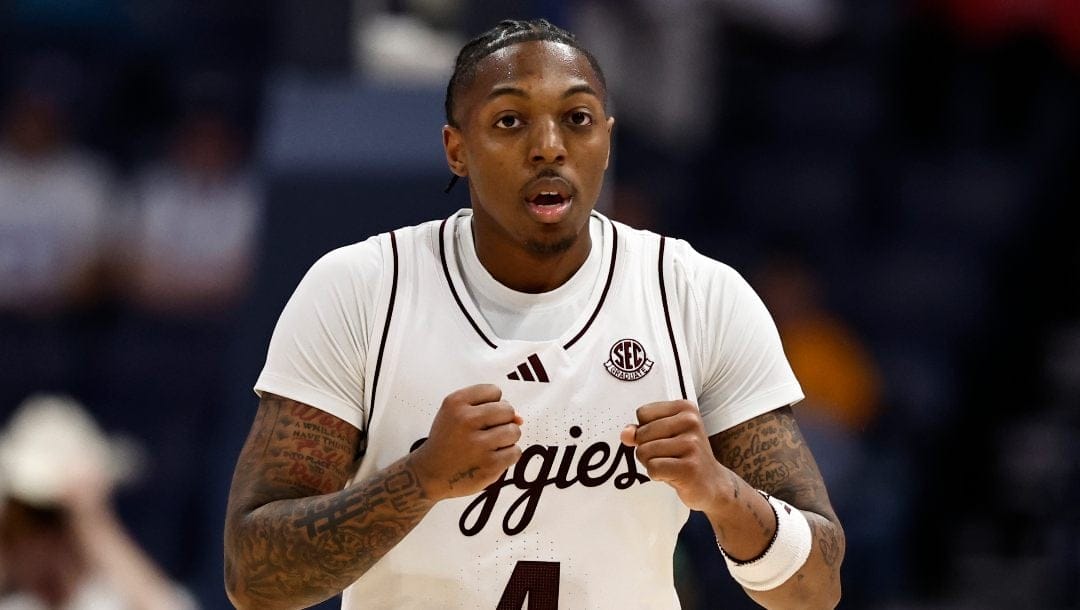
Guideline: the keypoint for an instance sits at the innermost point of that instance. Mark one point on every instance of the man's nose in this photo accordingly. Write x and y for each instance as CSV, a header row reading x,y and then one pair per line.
x,y
547,143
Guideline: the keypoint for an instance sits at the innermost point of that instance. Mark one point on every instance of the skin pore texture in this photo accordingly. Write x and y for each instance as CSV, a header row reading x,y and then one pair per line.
x,y
531,124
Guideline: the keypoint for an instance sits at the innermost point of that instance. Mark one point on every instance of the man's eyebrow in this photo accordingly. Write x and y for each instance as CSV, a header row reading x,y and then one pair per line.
x,y
582,88
507,90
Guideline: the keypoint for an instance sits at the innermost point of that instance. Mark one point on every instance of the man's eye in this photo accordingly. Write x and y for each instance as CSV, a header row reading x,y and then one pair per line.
x,y
580,117
508,121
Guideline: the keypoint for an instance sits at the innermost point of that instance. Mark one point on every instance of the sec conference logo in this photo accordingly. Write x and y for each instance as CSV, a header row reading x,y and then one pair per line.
x,y
627,360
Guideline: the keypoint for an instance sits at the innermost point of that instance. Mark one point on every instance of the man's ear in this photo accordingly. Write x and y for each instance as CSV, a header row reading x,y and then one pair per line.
x,y
455,153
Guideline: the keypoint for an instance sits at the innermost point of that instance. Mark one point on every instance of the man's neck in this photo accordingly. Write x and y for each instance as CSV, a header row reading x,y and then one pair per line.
x,y
531,271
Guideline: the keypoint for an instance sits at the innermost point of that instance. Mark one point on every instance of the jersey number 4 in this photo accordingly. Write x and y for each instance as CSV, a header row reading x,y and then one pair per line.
x,y
537,580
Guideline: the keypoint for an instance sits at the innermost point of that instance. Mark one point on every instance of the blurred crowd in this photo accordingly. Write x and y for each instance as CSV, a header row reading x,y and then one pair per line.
x,y
896,178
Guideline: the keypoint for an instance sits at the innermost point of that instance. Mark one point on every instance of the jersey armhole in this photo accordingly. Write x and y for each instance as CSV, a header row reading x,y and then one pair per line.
x,y
380,326
676,332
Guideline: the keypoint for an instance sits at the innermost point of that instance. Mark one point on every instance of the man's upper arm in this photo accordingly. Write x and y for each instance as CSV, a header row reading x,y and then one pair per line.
x,y
292,451
319,349
734,349
770,453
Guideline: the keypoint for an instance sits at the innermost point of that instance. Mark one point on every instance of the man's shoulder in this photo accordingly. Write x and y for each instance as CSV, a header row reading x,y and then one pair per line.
x,y
373,249
360,271
428,227
424,236
687,262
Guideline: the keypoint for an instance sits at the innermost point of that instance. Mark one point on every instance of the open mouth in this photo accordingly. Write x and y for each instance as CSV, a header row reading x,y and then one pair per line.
x,y
549,199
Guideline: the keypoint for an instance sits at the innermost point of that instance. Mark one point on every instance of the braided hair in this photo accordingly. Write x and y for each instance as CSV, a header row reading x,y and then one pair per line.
x,y
504,34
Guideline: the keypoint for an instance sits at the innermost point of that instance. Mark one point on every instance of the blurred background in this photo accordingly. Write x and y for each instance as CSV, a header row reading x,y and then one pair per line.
x,y
898,179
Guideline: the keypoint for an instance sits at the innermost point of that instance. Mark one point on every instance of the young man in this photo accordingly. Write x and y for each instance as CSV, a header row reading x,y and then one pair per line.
x,y
525,400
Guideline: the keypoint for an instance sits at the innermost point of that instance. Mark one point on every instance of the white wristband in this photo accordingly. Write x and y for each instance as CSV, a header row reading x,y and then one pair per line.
x,y
786,553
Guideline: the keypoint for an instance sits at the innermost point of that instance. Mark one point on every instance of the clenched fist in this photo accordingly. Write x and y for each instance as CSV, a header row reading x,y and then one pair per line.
x,y
672,444
472,442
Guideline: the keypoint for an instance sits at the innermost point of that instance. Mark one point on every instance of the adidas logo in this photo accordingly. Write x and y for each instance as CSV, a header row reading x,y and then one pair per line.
x,y
525,372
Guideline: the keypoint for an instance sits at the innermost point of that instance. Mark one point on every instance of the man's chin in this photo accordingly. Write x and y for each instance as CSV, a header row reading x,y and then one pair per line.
x,y
550,247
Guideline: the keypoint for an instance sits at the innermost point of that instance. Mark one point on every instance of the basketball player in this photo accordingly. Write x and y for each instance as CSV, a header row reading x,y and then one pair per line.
x,y
518,406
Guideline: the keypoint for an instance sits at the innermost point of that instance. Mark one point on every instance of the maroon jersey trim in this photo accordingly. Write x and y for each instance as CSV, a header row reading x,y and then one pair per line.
x,y
453,291
607,285
667,318
385,334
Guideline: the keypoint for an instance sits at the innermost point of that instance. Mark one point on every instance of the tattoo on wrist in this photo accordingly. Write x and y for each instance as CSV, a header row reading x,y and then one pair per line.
x,y
464,474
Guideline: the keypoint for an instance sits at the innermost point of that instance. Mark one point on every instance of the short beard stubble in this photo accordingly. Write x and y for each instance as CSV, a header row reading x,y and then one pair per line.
x,y
545,249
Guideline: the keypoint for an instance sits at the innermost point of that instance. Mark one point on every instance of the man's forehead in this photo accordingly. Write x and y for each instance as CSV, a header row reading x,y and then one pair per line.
x,y
534,59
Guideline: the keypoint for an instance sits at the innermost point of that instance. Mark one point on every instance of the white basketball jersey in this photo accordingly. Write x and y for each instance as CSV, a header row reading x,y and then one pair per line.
x,y
576,523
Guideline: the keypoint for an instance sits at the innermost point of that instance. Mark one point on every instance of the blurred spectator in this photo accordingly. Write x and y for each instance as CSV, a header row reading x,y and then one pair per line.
x,y
665,129
61,545
837,373
869,478
183,252
676,42
188,242
413,43
415,47
53,198
54,204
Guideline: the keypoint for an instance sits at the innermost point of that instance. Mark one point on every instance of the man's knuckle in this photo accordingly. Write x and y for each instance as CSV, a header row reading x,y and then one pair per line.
x,y
688,418
642,413
454,398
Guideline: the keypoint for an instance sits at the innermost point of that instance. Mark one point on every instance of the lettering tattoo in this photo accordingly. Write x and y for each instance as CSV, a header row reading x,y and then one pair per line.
x,y
769,453
828,542
464,474
292,531
303,447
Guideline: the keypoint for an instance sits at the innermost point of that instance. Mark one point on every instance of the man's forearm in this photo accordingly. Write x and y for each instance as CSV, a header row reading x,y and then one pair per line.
x,y
744,524
294,553
817,583
769,453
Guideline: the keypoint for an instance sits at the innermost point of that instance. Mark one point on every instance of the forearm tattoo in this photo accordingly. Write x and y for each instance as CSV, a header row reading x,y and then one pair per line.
x,y
828,540
292,532
769,453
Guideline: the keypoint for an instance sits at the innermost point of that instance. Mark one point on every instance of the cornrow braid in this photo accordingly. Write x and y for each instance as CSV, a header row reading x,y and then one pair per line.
x,y
504,34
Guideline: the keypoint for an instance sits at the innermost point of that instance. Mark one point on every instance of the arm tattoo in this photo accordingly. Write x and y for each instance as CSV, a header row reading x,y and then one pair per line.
x,y
828,542
770,454
293,533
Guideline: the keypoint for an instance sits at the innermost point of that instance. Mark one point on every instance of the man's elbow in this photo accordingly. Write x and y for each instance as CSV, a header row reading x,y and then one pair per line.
x,y
833,589
241,597
237,601
236,580
233,586
830,546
